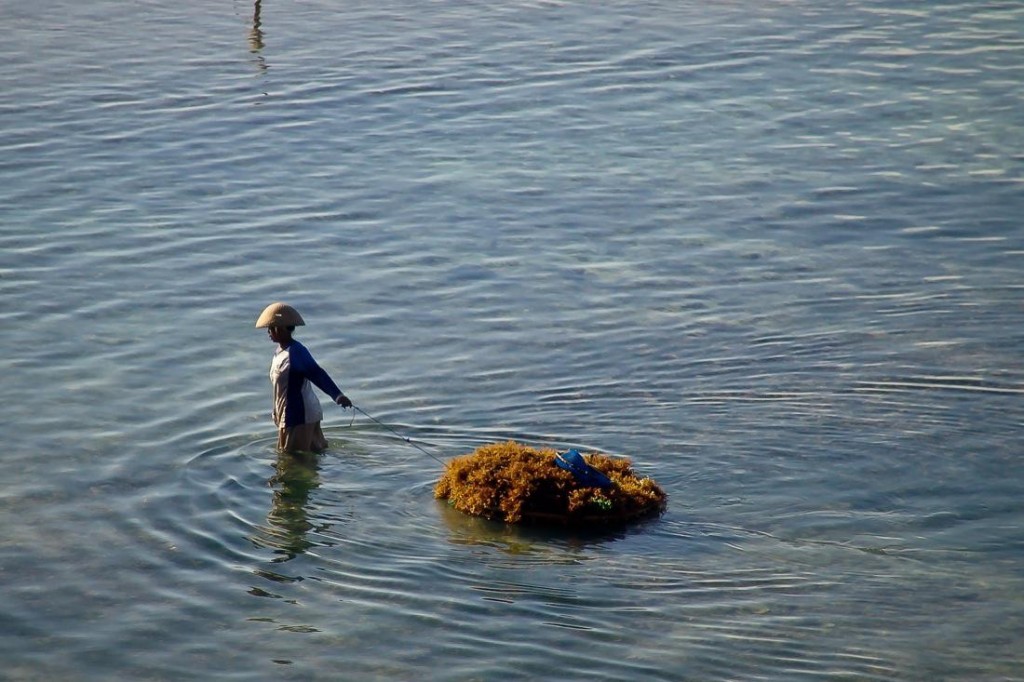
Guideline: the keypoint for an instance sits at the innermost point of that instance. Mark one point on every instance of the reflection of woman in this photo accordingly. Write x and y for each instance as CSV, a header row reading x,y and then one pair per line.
x,y
293,373
294,480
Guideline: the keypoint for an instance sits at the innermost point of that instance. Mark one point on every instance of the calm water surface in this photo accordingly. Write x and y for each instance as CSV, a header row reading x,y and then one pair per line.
x,y
770,251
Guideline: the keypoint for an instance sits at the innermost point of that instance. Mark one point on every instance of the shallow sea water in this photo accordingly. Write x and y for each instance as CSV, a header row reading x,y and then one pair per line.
x,y
769,251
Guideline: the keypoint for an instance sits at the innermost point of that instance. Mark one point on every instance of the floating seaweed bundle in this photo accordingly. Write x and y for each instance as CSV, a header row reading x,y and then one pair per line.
x,y
514,482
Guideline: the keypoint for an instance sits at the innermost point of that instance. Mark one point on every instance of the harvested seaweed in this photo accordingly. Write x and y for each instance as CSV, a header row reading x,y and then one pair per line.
x,y
514,482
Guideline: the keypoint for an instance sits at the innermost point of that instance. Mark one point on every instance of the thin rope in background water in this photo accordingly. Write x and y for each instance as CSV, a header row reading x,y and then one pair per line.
x,y
394,432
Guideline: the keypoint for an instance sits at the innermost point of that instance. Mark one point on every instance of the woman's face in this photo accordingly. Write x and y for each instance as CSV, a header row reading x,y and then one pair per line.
x,y
278,334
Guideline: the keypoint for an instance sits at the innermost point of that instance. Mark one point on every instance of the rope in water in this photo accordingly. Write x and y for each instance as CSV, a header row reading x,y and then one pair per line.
x,y
388,428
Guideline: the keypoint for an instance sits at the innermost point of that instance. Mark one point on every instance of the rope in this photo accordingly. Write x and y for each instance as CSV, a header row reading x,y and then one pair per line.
x,y
388,428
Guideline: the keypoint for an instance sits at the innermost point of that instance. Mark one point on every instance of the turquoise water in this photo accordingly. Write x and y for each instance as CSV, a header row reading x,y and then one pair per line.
x,y
769,251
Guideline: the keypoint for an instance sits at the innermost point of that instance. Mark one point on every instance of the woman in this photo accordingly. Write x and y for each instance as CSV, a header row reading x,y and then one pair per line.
x,y
293,373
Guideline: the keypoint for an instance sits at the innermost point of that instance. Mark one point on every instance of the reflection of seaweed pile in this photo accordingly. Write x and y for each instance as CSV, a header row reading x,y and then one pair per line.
x,y
514,482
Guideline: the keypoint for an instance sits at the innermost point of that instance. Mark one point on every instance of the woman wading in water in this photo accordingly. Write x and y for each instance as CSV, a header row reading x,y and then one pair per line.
x,y
293,373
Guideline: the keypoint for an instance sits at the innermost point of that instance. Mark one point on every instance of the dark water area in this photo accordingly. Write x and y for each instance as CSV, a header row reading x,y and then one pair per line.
x,y
771,252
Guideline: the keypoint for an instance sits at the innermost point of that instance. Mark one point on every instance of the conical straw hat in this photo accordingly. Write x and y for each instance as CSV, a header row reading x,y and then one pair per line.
x,y
279,315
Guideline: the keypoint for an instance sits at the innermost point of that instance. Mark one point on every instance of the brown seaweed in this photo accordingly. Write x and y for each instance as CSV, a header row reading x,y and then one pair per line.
x,y
514,482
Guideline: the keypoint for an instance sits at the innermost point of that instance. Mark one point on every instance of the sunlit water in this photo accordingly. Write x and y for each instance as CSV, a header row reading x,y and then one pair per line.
x,y
771,251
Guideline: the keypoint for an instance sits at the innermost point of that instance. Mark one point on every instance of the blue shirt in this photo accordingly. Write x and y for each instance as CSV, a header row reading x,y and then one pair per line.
x,y
292,370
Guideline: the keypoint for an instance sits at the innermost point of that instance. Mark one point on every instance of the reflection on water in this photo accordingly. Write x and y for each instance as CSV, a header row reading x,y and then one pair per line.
x,y
465,529
295,477
256,35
